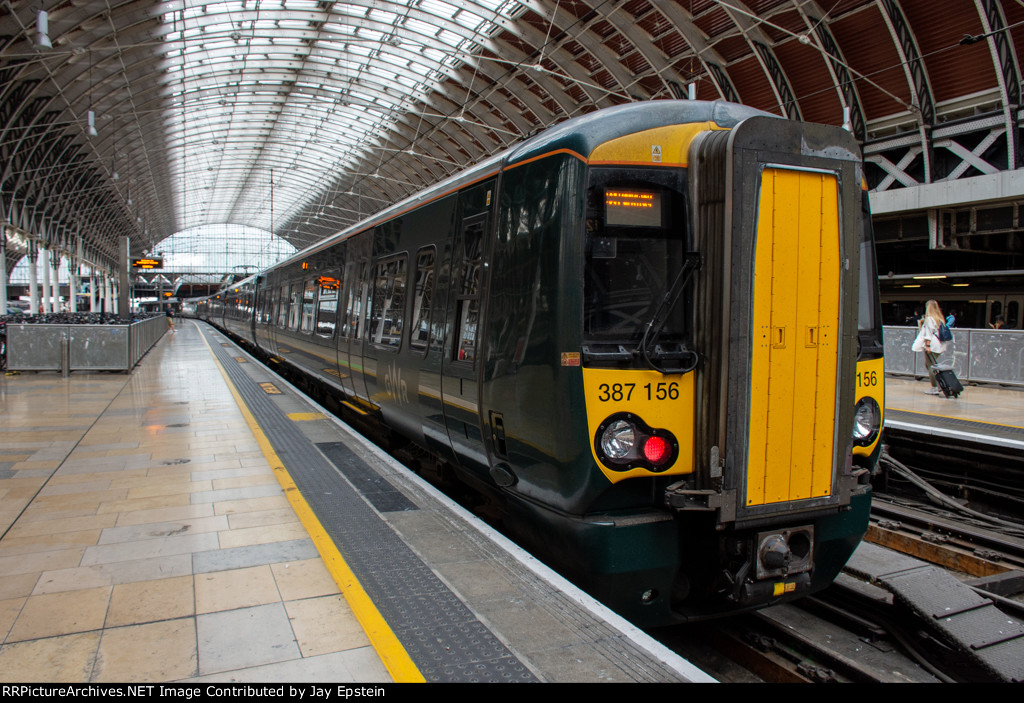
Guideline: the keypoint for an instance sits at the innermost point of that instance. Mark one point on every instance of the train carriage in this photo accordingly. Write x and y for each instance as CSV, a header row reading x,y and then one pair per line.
x,y
651,333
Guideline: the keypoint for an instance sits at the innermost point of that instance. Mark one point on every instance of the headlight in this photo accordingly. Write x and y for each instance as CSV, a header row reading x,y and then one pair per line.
x,y
624,442
618,439
866,421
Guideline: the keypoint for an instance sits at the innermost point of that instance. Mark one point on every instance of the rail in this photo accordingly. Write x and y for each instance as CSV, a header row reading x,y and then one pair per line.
x,y
977,355
81,347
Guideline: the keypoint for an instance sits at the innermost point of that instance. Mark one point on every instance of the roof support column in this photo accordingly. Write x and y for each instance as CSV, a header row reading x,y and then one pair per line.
x,y
94,285
122,278
33,278
108,303
47,304
3,268
55,262
74,282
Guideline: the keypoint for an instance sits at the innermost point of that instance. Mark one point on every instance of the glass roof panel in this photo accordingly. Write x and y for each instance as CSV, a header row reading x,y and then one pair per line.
x,y
314,87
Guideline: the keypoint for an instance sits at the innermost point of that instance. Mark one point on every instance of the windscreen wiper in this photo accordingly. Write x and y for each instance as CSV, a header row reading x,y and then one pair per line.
x,y
690,265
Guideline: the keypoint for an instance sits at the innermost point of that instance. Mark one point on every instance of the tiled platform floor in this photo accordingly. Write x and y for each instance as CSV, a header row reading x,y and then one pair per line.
x,y
145,537
988,403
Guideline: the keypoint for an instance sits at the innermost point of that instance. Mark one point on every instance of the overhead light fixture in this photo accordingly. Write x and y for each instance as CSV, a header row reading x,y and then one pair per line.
x,y
961,285
42,38
911,285
928,278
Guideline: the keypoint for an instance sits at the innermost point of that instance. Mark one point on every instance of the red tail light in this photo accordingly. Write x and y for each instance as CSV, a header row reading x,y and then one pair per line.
x,y
657,450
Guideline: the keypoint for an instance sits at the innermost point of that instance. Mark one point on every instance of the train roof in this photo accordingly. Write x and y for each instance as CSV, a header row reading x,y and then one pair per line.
x,y
579,134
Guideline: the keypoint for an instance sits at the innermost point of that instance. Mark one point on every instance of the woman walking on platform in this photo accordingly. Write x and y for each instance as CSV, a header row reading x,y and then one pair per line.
x,y
928,341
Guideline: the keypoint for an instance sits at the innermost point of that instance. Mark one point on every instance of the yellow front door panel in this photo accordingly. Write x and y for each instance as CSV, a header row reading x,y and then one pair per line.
x,y
795,338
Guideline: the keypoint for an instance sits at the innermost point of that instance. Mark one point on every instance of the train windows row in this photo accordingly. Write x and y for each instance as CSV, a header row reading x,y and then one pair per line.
x,y
375,308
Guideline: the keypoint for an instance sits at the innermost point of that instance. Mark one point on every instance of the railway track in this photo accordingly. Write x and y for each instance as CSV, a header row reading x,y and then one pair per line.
x,y
858,632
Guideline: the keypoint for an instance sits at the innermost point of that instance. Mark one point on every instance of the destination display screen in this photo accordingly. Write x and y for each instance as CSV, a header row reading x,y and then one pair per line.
x,y
148,262
632,208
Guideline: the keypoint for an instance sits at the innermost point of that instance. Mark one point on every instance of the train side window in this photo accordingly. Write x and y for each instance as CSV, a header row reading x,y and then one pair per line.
x,y
468,293
357,303
327,306
351,307
294,306
995,310
387,316
308,296
282,309
264,305
424,294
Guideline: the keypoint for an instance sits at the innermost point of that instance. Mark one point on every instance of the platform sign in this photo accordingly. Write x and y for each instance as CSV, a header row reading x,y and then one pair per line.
x,y
147,263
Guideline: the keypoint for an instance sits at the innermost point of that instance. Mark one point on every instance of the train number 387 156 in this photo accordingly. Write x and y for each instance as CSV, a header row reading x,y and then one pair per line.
x,y
617,392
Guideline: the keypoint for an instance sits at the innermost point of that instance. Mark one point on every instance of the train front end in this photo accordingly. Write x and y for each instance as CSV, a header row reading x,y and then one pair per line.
x,y
725,367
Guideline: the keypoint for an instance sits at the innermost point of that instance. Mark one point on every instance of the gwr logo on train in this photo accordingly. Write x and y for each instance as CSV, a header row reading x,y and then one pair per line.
x,y
395,386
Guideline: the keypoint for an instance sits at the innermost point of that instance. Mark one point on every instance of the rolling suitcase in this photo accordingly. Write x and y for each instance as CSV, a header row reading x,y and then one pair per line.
x,y
949,384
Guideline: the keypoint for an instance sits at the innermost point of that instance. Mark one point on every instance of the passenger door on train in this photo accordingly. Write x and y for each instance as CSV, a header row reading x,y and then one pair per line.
x,y
460,386
351,352
266,306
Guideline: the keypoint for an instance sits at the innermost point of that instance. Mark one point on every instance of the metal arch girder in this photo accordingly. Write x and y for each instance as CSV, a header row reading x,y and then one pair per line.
x,y
845,86
458,131
500,78
913,65
545,80
1008,71
650,53
11,112
417,139
713,62
999,37
605,56
31,133
761,44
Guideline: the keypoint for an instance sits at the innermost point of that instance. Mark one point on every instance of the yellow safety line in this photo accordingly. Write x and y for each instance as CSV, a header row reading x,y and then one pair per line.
x,y
390,650
950,417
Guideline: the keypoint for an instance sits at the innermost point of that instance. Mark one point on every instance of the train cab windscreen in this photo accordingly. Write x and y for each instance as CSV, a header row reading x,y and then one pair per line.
x,y
635,299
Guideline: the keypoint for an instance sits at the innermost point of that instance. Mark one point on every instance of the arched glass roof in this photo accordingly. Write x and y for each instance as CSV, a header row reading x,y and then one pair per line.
x,y
317,86
143,118
230,249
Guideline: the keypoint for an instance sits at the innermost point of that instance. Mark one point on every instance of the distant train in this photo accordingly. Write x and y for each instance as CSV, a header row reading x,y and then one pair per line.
x,y
651,334
980,306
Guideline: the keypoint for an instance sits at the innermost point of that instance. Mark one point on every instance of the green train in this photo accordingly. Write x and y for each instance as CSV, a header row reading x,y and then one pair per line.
x,y
650,335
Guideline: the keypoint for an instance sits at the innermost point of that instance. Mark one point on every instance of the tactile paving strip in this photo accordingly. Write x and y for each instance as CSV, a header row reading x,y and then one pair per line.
x,y
374,487
954,423
442,636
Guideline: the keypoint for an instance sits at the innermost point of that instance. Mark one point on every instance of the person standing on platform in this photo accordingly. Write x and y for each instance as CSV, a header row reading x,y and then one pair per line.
x,y
170,317
928,341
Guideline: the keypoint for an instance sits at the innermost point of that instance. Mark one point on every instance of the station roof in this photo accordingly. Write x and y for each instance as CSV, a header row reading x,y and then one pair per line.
x,y
144,118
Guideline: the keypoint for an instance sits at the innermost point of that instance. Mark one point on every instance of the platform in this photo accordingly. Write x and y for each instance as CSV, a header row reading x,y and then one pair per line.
x,y
198,520
985,414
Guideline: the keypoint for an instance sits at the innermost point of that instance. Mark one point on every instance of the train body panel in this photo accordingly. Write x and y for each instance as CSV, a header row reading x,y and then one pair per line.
x,y
639,330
